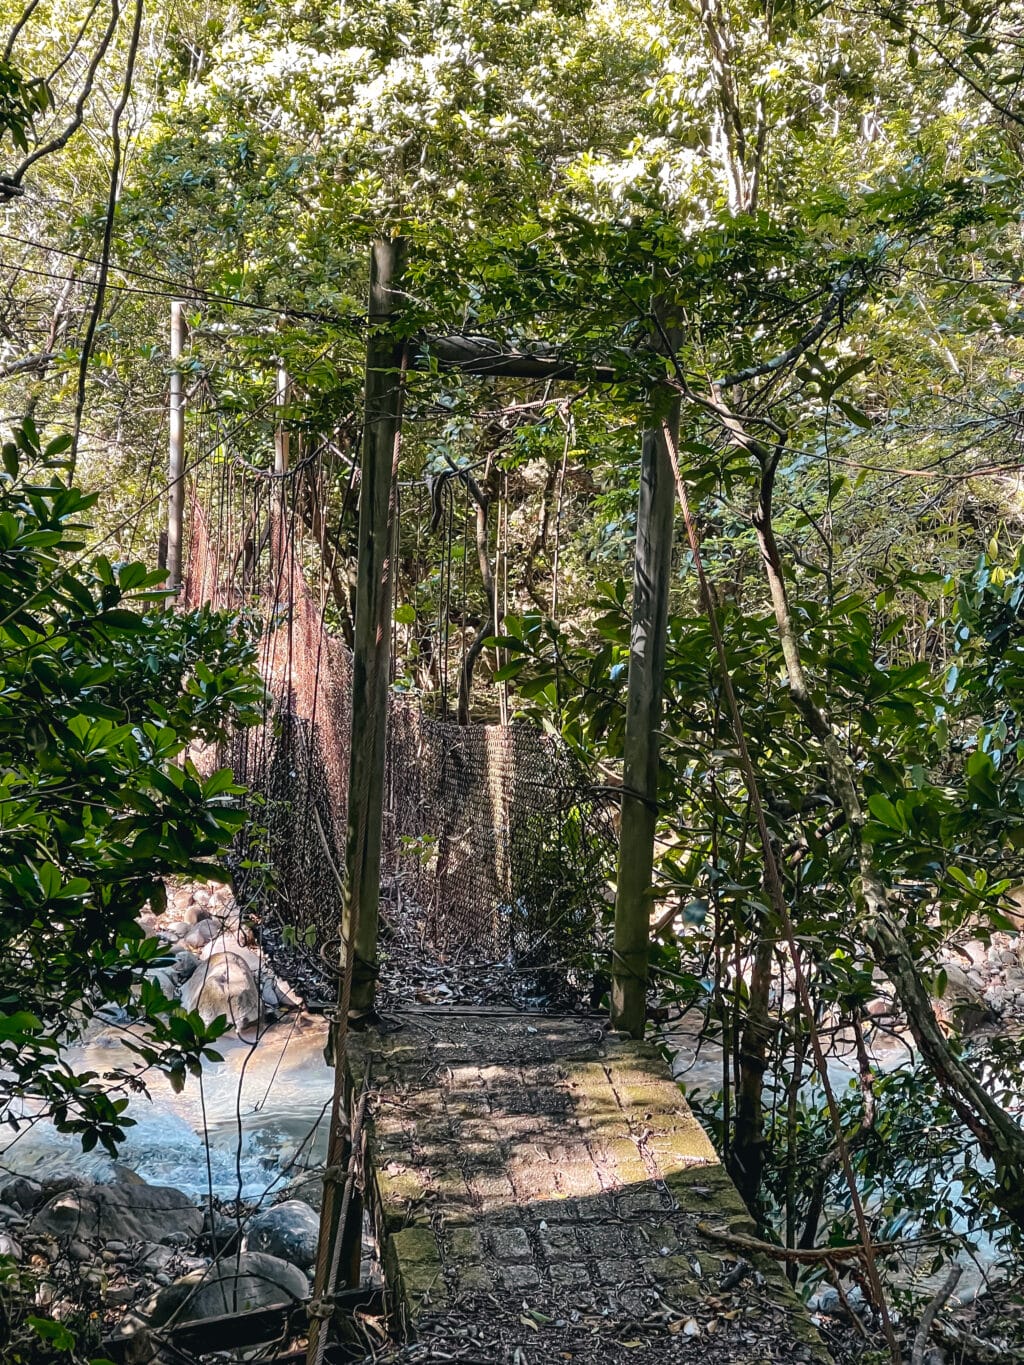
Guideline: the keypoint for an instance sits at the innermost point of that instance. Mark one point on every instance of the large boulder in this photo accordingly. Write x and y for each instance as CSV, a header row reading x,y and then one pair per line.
x,y
290,1230
236,1284
224,985
1014,909
123,1212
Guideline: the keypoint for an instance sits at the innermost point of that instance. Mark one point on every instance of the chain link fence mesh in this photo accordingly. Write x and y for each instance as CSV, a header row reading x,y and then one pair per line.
x,y
492,834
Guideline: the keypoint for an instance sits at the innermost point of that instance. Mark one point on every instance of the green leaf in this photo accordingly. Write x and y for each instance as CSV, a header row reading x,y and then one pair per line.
x,y
885,812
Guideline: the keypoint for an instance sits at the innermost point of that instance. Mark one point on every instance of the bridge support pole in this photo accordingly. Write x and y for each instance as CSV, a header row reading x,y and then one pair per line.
x,y
176,456
651,572
371,664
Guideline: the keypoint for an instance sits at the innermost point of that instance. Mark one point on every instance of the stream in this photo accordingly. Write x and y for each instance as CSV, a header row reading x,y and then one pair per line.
x,y
259,1107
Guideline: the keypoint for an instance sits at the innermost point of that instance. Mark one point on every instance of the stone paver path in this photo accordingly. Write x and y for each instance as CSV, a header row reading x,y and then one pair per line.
x,y
537,1185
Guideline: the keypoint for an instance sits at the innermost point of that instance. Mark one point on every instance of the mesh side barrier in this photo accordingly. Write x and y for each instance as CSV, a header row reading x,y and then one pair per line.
x,y
491,834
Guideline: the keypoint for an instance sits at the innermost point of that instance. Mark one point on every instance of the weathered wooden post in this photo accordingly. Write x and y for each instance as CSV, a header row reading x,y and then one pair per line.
x,y
371,663
340,1216
651,572
176,455
282,443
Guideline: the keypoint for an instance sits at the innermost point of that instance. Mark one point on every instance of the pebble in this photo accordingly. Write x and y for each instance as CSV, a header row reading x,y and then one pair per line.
x,y
162,1278
78,1251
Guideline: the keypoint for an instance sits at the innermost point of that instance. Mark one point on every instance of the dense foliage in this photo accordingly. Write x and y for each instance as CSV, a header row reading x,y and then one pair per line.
x,y
103,692
801,221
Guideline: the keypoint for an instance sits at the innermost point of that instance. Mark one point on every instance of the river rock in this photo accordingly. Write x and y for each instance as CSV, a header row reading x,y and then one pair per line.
x,y
1014,909
167,979
129,1213
9,1247
195,913
224,985
173,931
185,964
229,942
290,1230
963,1004
21,1193
155,1257
307,1188
201,933
236,1285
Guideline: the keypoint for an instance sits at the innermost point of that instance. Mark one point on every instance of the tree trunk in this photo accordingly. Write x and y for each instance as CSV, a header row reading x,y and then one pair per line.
x,y
746,1154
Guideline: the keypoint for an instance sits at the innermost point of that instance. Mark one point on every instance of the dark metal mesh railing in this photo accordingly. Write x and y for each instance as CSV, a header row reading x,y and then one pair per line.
x,y
491,833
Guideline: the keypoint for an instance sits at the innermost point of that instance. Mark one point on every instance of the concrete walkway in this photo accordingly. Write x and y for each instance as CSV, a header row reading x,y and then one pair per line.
x,y
537,1185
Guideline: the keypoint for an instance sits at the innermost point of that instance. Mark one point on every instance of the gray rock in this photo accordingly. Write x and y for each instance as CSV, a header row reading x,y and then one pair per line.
x,y
61,1181
185,964
224,985
135,1345
156,1257
130,1213
78,1251
167,979
122,1295
290,1230
202,933
234,1285
308,1187
963,1005
221,1236
9,1247
124,1175
21,1193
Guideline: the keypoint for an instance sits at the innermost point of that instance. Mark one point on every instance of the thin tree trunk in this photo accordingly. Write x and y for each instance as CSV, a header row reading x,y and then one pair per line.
x,y
1000,1137
746,1156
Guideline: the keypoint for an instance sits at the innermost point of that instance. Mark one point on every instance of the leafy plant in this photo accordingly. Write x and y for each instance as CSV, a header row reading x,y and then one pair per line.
x,y
103,691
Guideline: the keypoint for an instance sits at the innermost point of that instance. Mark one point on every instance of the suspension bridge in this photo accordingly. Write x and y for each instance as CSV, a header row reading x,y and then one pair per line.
x,y
537,1186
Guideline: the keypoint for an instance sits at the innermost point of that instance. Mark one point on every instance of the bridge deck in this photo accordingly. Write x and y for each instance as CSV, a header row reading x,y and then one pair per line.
x,y
538,1185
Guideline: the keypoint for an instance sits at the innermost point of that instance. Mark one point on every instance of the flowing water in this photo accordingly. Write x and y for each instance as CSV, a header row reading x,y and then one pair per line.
x,y
262,1108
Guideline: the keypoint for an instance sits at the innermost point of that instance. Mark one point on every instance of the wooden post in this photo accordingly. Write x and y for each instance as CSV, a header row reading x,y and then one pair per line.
x,y
371,662
281,440
176,455
652,568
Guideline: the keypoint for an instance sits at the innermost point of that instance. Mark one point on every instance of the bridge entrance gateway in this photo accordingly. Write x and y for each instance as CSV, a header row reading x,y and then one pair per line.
x,y
538,1187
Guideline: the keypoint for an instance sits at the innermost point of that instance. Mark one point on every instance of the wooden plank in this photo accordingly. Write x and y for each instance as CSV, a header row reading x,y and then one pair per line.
x,y
484,356
228,1331
651,572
